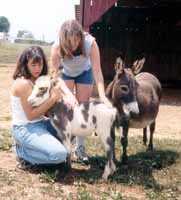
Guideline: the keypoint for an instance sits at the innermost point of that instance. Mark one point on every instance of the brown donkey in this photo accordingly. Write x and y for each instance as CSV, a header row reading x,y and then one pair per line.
x,y
137,98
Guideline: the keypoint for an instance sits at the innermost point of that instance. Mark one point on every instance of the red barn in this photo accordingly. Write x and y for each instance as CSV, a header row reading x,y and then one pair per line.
x,y
134,28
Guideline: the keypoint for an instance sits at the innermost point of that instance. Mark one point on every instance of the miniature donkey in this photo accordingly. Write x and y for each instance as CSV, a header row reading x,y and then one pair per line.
x,y
81,121
138,97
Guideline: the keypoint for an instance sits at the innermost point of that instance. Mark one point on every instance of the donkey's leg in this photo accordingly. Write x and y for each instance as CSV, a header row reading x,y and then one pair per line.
x,y
61,172
145,136
113,138
108,142
124,142
66,140
152,129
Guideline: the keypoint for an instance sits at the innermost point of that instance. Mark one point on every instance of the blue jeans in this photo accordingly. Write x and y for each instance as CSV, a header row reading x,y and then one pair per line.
x,y
37,144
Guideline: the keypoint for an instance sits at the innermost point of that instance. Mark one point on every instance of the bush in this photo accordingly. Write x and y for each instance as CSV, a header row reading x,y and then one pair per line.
x,y
31,41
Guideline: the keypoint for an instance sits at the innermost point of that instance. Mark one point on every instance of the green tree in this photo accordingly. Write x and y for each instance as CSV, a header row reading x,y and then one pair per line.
x,y
4,24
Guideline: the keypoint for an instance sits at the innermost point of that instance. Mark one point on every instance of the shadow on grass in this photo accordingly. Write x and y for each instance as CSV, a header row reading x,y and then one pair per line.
x,y
139,169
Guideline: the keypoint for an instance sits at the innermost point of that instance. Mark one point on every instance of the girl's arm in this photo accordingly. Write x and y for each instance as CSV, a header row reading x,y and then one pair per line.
x,y
23,89
96,66
67,95
55,59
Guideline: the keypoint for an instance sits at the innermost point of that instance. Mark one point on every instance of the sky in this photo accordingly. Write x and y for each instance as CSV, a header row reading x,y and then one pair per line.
x,y
42,17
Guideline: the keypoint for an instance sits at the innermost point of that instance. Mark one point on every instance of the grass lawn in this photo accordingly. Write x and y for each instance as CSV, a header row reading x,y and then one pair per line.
x,y
9,52
148,175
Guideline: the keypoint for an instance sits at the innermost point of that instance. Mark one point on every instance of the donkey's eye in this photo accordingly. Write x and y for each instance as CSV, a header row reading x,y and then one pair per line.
x,y
42,88
42,91
124,88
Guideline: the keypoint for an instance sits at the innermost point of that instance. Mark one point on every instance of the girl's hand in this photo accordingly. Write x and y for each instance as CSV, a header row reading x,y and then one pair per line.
x,y
106,101
54,74
55,94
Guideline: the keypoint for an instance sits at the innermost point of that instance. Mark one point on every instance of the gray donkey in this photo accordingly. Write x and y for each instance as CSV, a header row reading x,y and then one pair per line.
x,y
138,97
83,120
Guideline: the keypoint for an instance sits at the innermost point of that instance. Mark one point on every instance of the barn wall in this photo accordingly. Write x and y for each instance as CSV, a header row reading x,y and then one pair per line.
x,y
145,30
92,10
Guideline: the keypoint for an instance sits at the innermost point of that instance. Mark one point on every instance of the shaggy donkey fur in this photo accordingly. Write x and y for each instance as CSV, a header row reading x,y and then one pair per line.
x,y
81,121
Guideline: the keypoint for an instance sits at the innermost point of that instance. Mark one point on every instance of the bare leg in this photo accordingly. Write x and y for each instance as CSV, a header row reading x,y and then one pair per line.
x,y
70,84
83,93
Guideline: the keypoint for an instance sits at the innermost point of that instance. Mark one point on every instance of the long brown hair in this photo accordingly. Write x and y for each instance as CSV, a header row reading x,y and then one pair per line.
x,y
37,55
71,28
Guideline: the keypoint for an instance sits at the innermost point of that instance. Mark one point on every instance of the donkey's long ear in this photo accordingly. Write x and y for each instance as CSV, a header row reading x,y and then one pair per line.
x,y
118,64
138,65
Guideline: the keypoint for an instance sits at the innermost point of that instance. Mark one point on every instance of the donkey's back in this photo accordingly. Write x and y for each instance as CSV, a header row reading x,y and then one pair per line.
x,y
146,79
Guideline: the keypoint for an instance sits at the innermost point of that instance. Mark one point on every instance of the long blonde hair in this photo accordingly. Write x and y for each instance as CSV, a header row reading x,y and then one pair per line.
x,y
71,29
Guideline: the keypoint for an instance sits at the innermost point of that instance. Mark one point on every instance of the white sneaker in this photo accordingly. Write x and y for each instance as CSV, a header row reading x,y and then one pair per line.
x,y
80,155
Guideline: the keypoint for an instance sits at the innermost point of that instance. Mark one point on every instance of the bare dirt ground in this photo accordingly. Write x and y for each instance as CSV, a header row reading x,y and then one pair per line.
x,y
168,126
6,80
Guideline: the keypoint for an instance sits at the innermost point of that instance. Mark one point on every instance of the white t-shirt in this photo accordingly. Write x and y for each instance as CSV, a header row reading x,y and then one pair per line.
x,y
78,64
18,115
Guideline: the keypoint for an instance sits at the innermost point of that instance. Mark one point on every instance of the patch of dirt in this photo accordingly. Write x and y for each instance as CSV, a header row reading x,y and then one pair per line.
x,y
8,160
6,81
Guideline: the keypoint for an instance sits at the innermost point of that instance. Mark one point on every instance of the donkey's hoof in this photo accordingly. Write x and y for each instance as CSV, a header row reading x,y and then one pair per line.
x,y
150,149
60,175
62,171
144,143
108,171
124,160
105,177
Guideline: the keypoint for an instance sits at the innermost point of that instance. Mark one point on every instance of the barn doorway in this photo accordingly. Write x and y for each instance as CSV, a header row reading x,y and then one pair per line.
x,y
142,28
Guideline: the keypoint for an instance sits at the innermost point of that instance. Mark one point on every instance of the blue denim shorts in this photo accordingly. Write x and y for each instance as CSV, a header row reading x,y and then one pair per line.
x,y
85,77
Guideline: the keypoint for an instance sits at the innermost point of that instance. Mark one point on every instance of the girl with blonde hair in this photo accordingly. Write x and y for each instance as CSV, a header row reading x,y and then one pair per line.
x,y
77,54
